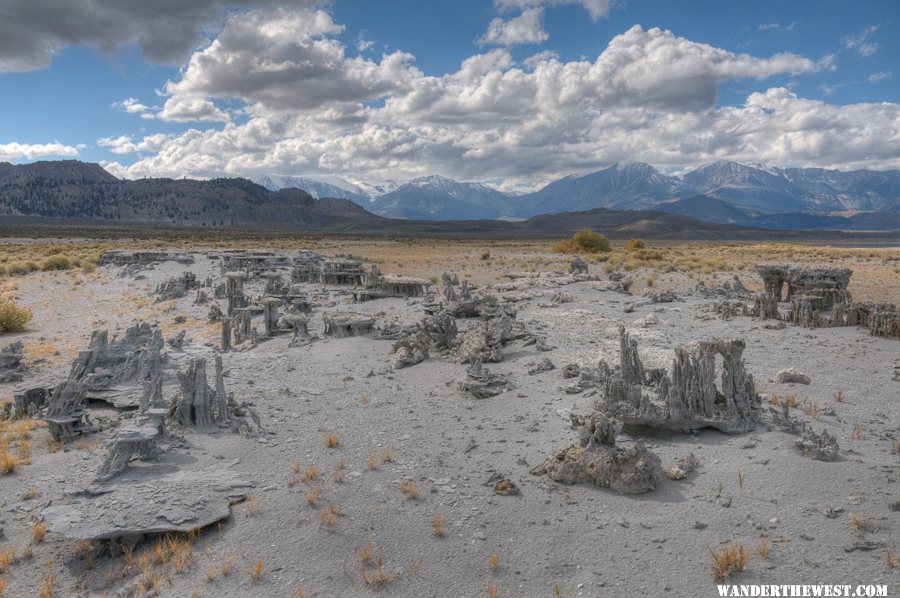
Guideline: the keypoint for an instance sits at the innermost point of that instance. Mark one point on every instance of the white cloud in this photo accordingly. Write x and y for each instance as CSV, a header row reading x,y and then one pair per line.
x,y
281,59
880,76
131,106
125,144
650,95
596,8
527,28
191,108
26,151
535,59
859,42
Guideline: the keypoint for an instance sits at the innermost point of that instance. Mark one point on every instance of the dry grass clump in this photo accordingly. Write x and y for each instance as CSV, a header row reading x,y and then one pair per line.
x,y
811,408
226,566
12,317
494,560
438,525
861,524
387,456
377,578
364,554
891,560
586,241
765,547
372,463
493,590
731,559
181,551
408,489
332,440
8,557
338,475
839,395
328,517
313,495
311,473
15,448
256,571
47,589
38,531
56,262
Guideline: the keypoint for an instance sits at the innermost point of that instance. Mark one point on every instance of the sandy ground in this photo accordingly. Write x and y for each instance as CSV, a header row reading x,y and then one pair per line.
x,y
826,522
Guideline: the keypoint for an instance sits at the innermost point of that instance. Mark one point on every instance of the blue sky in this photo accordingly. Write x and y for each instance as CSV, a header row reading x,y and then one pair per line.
x,y
69,100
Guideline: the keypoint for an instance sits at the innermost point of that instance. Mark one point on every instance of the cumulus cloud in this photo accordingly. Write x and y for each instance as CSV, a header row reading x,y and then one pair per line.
x,y
32,32
527,28
596,8
859,42
283,59
307,107
26,151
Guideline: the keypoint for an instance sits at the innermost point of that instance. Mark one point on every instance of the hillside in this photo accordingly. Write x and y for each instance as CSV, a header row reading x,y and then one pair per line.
x,y
80,191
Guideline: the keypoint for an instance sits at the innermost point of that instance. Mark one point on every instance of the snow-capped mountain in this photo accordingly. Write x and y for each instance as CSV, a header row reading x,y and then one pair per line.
x,y
439,198
748,187
621,187
727,192
318,187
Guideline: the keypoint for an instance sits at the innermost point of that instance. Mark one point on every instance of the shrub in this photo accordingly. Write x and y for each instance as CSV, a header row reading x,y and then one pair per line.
x,y
636,244
12,317
56,262
21,268
589,241
584,240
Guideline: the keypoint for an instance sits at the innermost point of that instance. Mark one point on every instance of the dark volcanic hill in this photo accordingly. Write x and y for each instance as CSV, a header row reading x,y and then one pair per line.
x,y
80,191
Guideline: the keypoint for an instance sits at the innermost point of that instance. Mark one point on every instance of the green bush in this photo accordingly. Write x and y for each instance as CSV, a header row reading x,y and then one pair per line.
x,y
636,244
56,262
589,241
12,317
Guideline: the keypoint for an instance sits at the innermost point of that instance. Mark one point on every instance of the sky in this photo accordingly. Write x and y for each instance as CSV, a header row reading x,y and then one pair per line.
x,y
510,92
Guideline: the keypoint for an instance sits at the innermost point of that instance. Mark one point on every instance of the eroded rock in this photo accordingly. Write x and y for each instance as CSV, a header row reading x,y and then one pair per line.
x,y
12,366
598,460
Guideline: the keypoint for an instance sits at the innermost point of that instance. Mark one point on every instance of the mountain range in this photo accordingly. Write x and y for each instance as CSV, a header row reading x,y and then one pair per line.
x,y
722,192
636,196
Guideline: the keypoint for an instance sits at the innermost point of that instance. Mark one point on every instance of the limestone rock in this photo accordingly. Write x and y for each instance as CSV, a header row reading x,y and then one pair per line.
x,y
792,375
631,470
686,398
177,502
482,384
819,446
